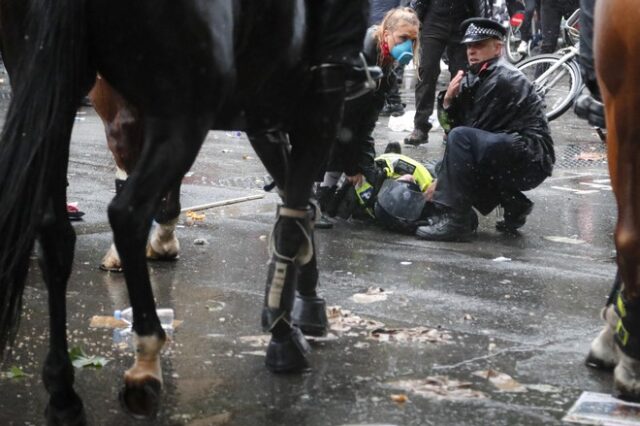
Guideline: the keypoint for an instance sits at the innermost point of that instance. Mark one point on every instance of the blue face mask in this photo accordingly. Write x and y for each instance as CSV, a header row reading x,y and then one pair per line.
x,y
403,52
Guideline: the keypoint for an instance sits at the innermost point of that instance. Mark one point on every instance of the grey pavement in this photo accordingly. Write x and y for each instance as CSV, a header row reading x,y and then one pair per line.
x,y
531,317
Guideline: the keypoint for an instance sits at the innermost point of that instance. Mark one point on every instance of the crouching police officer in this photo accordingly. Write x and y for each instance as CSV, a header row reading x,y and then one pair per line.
x,y
498,140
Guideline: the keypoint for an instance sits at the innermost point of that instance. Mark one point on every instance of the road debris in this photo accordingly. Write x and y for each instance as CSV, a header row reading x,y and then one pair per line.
x,y
342,321
373,294
603,409
410,335
566,240
502,381
438,387
399,398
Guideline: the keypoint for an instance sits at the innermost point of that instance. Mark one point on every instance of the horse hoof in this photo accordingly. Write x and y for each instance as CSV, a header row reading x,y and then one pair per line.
x,y
111,261
603,353
141,400
73,415
627,377
310,315
288,354
162,253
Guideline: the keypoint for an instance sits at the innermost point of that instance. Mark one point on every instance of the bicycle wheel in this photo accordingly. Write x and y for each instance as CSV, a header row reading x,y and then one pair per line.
x,y
559,89
511,46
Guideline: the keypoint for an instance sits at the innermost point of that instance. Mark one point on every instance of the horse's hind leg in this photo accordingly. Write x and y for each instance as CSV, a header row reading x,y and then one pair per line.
x,y
57,239
171,146
163,243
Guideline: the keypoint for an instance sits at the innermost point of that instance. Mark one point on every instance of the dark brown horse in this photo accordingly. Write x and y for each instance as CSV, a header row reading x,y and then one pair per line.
x,y
188,67
617,60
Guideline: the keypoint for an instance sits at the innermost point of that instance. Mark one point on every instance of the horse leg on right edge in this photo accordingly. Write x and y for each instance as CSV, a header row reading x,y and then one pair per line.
x,y
171,147
620,84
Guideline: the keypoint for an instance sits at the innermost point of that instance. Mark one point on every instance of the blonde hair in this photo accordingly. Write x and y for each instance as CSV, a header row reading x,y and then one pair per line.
x,y
391,21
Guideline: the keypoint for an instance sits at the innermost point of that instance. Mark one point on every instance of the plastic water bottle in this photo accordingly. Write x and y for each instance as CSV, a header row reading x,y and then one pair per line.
x,y
165,315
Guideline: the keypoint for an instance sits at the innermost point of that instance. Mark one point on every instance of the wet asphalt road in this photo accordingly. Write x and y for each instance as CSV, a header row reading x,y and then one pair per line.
x,y
531,317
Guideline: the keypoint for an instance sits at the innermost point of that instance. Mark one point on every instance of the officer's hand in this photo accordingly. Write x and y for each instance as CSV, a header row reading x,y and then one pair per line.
x,y
453,89
431,189
356,179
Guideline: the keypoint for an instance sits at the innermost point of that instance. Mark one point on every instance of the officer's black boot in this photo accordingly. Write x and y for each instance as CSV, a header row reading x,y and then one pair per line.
x,y
291,246
450,225
516,209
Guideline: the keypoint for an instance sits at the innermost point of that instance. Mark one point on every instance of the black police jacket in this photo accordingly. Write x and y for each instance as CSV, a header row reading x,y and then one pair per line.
x,y
452,9
500,99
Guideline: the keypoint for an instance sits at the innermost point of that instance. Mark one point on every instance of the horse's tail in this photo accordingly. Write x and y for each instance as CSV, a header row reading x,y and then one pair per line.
x,y
48,84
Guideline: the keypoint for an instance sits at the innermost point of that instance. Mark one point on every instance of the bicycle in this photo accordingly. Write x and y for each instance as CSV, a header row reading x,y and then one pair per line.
x,y
557,76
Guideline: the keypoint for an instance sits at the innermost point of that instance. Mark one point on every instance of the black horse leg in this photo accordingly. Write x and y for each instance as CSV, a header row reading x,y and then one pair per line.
x,y
163,243
171,146
57,239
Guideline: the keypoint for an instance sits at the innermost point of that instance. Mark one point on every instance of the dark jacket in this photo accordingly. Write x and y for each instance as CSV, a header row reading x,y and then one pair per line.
x,y
500,99
455,9
355,147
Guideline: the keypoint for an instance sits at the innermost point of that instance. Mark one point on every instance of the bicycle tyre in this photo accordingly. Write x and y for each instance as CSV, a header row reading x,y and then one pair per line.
x,y
511,46
559,97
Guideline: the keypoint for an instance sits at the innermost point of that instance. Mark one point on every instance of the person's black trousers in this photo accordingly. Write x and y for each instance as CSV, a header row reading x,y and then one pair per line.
x,y
435,37
482,169
552,12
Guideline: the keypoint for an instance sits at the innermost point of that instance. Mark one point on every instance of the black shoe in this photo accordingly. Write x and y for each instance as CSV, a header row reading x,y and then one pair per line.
x,y
450,226
323,222
516,211
590,109
417,137
394,110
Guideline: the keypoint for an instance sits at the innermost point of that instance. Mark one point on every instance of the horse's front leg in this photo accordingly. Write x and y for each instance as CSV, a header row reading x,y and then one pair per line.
x,y
172,147
57,239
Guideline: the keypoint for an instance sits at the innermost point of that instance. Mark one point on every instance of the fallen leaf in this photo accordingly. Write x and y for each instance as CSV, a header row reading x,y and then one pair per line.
x,y
100,321
438,387
502,381
399,398
591,156
80,359
195,216
342,320
14,373
373,294
410,335
259,341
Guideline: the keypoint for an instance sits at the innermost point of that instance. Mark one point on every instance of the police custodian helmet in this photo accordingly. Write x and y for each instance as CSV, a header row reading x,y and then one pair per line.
x,y
478,29
399,205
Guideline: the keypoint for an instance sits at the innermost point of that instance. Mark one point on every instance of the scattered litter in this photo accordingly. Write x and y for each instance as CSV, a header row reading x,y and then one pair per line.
x,y
373,294
342,321
406,263
399,398
502,381
80,359
259,341
102,321
403,123
468,317
200,241
320,339
603,409
544,388
410,335
195,216
262,238
591,156
215,305
226,151
247,157
438,387
361,345
14,373
566,240
502,259
491,347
